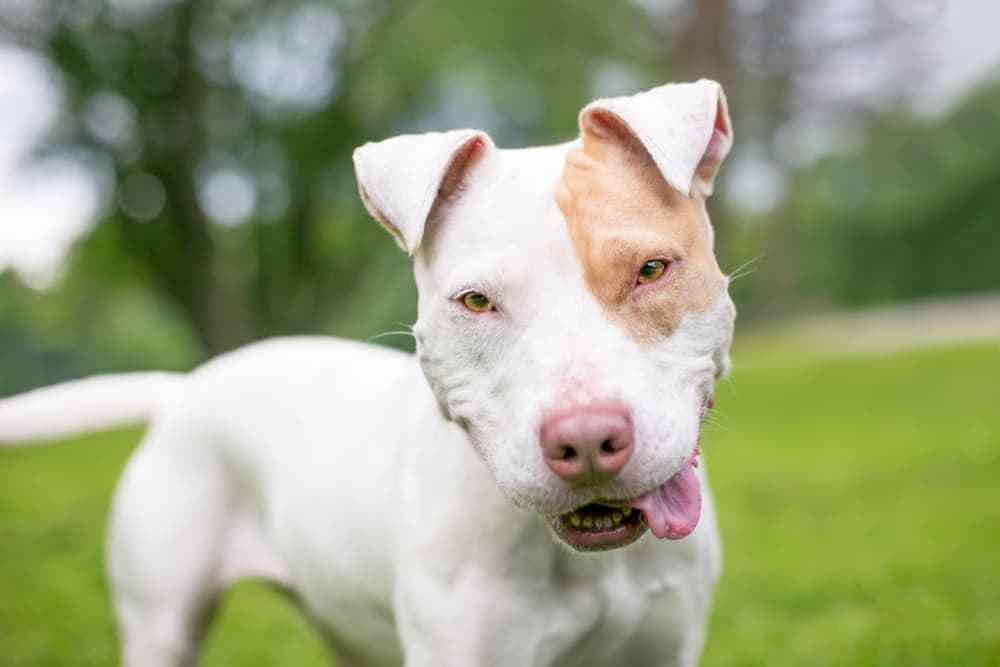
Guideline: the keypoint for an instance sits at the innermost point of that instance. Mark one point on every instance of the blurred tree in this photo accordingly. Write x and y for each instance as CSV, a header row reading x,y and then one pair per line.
x,y
220,130
797,74
223,129
913,210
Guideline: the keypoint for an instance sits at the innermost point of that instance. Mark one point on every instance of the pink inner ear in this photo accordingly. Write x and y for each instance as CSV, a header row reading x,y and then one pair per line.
x,y
611,127
722,120
718,145
452,184
608,125
714,153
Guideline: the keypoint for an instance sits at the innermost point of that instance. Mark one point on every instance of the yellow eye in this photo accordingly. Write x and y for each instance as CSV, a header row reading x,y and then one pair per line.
x,y
477,303
650,271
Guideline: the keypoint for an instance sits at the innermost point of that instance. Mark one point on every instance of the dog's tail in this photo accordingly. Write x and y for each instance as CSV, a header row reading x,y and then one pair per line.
x,y
81,406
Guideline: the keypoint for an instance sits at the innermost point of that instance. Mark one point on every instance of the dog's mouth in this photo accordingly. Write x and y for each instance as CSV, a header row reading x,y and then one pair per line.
x,y
671,510
598,526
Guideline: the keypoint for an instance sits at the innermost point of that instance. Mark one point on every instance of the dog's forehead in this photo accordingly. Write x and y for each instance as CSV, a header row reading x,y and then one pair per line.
x,y
519,184
507,208
583,216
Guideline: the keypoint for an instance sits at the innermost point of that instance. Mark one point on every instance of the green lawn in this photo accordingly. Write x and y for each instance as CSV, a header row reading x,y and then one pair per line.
x,y
859,501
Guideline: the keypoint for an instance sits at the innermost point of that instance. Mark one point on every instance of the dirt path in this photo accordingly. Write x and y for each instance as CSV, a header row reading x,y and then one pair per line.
x,y
915,324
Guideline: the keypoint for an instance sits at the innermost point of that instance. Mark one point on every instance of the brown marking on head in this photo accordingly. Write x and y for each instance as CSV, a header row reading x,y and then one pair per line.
x,y
621,213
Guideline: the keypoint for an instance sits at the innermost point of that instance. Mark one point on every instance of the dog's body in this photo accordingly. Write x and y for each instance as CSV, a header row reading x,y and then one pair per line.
x,y
412,507
384,506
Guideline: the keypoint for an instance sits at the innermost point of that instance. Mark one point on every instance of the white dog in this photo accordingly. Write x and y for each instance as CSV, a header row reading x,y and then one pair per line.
x,y
432,510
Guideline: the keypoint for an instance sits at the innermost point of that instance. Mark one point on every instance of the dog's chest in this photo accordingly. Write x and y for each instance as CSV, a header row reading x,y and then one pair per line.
x,y
634,616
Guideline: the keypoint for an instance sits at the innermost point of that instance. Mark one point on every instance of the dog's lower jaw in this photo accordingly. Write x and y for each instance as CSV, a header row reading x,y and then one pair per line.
x,y
599,527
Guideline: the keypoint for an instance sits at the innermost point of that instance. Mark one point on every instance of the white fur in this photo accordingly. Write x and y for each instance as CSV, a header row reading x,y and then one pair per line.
x,y
91,404
398,179
676,124
407,505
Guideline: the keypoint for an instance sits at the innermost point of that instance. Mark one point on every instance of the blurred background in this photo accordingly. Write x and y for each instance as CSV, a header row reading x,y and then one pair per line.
x,y
175,181
175,177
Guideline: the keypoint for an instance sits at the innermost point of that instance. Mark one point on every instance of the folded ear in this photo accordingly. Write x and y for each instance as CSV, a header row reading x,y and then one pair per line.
x,y
402,178
683,127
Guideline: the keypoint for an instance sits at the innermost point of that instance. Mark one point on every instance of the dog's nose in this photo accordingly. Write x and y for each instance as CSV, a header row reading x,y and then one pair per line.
x,y
588,444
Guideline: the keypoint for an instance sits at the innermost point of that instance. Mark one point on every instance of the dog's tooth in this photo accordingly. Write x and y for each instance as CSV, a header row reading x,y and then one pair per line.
x,y
607,522
588,522
617,517
574,519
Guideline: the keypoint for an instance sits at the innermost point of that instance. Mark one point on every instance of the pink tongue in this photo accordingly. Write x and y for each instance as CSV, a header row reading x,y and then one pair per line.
x,y
673,510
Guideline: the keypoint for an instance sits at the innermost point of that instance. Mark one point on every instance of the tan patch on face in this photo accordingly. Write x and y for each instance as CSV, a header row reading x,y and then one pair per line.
x,y
621,213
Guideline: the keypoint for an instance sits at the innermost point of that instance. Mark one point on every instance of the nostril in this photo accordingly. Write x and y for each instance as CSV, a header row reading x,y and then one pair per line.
x,y
607,447
566,453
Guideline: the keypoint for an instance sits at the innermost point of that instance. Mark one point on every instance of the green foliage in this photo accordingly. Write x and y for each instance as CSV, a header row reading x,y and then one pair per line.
x,y
913,211
164,92
185,73
81,327
856,498
155,91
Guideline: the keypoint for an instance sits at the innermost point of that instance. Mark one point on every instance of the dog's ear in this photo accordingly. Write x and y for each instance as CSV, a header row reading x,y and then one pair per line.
x,y
402,178
683,127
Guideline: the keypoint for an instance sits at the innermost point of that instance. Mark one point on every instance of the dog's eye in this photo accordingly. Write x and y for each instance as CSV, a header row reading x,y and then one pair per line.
x,y
650,271
477,302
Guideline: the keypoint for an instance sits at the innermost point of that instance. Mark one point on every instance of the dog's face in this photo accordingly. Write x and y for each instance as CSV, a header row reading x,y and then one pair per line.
x,y
572,317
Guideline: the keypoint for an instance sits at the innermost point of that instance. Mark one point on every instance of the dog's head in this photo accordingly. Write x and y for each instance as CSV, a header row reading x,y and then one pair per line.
x,y
572,317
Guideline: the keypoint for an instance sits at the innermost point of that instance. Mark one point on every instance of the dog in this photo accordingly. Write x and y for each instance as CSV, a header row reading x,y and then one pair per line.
x,y
526,489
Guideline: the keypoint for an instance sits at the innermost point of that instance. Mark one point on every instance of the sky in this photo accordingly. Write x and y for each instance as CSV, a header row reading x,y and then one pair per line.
x,y
46,204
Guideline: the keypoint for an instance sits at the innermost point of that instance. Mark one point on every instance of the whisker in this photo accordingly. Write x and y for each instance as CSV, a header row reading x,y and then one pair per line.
x,y
716,417
709,427
389,333
743,270
732,385
736,276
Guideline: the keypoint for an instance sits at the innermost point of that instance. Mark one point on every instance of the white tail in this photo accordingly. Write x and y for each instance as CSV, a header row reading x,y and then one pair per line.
x,y
81,406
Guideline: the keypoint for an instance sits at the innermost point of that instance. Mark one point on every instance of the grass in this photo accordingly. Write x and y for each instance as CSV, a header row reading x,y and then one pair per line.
x,y
859,500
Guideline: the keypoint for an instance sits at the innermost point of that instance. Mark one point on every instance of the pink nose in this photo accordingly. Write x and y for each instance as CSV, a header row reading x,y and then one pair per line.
x,y
588,444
